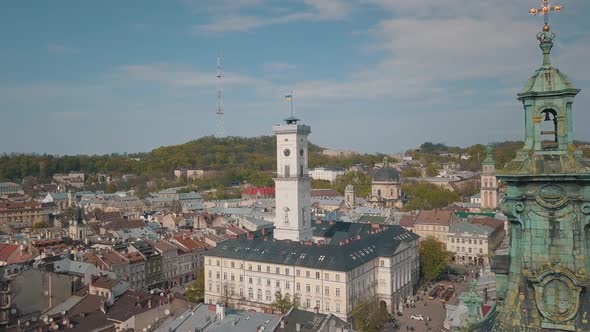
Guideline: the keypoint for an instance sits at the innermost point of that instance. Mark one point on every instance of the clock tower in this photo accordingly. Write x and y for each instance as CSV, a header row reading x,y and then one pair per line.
x,y
292,184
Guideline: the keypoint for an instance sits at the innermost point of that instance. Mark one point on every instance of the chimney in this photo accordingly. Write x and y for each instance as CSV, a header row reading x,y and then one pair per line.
x,y
297,327
220,311
282,324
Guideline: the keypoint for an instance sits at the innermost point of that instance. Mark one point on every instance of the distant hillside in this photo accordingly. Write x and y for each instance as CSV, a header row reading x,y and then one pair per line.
x,y
225,154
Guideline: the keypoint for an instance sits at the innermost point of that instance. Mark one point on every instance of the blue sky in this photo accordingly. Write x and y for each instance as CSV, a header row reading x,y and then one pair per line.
x,y
368,75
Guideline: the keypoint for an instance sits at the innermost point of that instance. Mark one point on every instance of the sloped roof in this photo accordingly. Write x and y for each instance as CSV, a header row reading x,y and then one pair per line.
x,y
434,217
384,242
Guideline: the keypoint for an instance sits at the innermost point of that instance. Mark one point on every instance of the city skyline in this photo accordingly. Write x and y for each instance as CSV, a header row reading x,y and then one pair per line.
x,y
132,77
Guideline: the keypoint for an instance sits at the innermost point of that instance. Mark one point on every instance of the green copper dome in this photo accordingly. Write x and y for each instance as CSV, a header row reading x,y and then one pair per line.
x,y
547,80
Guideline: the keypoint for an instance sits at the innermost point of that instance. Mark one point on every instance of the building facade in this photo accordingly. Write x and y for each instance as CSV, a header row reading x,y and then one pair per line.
x,y
247,273
435,223
326,173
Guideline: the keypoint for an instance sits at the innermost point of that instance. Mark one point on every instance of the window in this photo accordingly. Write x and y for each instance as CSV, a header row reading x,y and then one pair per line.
x,y
327,291
217,288
469,250
241,292
210,274
317,304
327,306
337,291
250,267
241,278
307,288
209,261
381,262
307,303
268,282
469,241
250,280
287,271
337,307
224,275
307,274
268,299
327,276
298,272
317,275
317,289
267,269
278,270
218,275
259,294
480,242
278,284
453,240
298,287
462,240
287,285
337,277
232,265
259,268
232,277
218,263
259,281
480,250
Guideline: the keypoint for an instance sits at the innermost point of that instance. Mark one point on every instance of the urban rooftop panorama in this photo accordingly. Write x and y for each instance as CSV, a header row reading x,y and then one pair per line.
x,y
316,165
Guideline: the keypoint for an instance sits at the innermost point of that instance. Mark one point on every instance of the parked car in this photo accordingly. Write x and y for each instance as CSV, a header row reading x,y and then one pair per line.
x,y
417,317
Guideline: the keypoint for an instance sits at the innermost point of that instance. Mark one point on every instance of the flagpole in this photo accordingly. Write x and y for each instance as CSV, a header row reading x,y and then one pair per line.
x,y
291,103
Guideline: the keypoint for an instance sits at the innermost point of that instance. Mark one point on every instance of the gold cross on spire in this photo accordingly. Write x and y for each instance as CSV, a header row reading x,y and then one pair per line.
x,y
546,7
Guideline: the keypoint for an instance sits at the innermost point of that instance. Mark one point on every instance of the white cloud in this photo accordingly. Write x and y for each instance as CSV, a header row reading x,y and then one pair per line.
x,y
173,75
61,49
235,21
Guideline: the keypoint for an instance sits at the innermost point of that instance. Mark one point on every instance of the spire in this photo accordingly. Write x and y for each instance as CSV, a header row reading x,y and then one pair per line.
x,y
385,161
489,157
546,37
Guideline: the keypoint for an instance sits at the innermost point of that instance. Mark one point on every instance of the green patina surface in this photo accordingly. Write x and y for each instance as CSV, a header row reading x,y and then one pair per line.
x,y
543,284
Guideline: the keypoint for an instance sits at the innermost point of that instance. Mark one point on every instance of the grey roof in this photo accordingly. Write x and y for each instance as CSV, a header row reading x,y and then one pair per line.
x,y
189,320
386,174
465,227
238,321
331,257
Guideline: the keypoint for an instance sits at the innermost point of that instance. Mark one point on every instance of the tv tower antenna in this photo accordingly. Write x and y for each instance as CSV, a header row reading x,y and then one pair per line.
x,y
220,131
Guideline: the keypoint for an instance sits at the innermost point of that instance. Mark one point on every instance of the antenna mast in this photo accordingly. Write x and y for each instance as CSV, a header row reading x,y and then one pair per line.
x,y
220,131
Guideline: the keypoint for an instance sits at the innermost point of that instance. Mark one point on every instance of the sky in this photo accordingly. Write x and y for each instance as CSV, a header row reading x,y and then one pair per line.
x,y
369,75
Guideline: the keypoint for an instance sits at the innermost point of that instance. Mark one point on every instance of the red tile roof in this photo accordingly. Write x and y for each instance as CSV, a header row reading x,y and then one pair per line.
x,y
189,243
255,191
434,217
6,250
407,221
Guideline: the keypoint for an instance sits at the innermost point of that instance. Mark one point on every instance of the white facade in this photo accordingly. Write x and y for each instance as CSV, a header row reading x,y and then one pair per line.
x,y
292,184
326,173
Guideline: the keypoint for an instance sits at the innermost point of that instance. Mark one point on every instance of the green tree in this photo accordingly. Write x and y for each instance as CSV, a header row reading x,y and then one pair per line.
x,y
40,225
320,184
361,182
426,196
431,170
434,258
196,291
283,303
411,172
368,316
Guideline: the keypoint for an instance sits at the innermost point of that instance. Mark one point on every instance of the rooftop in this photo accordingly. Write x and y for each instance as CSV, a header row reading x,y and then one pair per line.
x,y
348,254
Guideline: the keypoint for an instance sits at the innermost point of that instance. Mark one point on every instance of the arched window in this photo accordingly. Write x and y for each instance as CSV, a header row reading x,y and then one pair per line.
x,y
378,192
549,129
259,294
250,293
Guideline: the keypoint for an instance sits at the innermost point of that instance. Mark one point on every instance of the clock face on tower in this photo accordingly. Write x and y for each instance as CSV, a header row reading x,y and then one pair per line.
x,y
286,152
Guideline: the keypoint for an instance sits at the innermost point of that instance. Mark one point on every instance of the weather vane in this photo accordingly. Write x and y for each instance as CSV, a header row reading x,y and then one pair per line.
x,y
546,7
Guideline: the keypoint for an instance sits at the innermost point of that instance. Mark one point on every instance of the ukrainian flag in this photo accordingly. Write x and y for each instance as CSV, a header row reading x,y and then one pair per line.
x,y
289,97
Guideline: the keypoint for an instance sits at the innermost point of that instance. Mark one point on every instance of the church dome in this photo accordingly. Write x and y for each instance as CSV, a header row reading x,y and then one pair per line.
x,y
386,174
